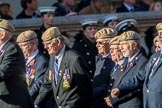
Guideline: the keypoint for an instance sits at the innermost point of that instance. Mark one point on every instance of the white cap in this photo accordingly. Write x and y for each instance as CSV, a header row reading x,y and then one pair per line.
x,y
47,9
125,23
88,22
109,18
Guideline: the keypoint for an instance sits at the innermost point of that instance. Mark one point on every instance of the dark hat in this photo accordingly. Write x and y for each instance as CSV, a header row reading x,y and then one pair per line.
x,y
129,35
108,19
6,25
126,25
26,36
88,22
105,33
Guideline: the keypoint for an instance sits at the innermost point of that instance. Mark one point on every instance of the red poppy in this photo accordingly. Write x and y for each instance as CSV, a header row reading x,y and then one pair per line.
x,y
32,71
131,64
31,62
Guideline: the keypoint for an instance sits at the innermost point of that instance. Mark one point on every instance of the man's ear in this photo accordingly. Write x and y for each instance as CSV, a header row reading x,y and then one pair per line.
x,y
2,34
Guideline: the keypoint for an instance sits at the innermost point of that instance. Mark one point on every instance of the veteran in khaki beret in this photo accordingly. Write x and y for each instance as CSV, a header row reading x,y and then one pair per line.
x,y
129,35
105,33
6,25
66,63
12,69
53,33
26,36
50,34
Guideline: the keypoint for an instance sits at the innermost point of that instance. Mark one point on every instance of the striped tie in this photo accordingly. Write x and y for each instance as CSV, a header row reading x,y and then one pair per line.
x,y
56,69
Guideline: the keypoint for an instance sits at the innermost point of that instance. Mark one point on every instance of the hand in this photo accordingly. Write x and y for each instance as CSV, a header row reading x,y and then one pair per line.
x,y
108,102
115,92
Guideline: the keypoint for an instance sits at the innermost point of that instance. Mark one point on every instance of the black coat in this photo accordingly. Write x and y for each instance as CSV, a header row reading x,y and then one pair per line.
x,y
89,51
101,79
13,87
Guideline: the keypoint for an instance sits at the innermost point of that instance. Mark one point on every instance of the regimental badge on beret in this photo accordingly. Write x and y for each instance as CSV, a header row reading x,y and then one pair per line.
x,y
129,35
123,36
114,41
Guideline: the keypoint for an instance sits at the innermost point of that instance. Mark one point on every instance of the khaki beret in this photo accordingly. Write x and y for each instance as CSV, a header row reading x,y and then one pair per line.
x,y
159,26
51,33
105,33
114,41
6,25
129,35
26,36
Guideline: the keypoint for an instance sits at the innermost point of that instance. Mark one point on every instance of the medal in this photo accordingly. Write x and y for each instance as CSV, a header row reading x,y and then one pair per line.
x,y
50,75
66,84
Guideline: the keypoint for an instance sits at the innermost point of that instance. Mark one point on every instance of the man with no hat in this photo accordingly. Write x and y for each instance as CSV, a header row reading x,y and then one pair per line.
x,y
13,88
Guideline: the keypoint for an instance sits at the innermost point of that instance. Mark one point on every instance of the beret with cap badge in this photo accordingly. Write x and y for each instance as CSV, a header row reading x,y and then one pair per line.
x,y
129,35
50,34
26,36
6,25
105,33
114,41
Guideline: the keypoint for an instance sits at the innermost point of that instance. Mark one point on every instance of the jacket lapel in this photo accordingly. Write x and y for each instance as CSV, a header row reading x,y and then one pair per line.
x,y
151,65
157,66
134,61
61,70
3,51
